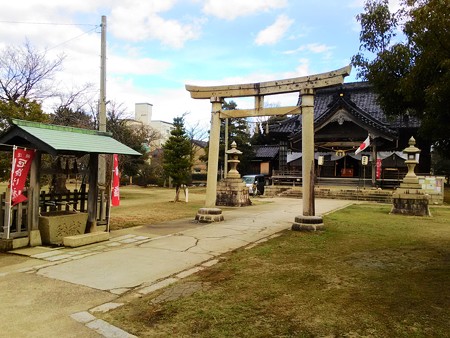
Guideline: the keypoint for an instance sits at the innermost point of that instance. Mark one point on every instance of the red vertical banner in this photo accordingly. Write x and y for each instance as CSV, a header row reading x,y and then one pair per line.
x,y
378,172
115,195
22,159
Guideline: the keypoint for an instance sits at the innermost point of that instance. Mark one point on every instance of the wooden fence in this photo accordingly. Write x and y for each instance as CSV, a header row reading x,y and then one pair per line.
x,y
72,200
48,202
19,221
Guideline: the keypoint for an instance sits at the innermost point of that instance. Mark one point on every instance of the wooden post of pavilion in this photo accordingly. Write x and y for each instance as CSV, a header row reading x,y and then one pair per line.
x,y
91,225
33,201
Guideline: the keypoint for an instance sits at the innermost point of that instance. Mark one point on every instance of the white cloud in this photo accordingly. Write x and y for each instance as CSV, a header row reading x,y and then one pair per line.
x,y
141,20
231,9
316,48
136,66
274,32
302,69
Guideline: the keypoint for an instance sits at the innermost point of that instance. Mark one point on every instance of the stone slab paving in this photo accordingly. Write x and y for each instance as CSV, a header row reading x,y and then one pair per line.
x,y
100,326
138,263
123,268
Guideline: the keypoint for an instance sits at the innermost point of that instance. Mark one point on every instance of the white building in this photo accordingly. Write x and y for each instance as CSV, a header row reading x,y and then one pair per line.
x,y
143,114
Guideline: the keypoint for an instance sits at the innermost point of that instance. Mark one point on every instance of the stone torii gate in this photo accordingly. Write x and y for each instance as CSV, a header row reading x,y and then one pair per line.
x,y
305,86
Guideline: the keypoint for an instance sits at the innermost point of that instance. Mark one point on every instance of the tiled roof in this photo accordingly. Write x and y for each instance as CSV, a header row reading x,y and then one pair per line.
x,y
266,151
358,97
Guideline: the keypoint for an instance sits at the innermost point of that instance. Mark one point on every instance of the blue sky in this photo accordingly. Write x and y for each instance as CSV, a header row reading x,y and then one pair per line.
x,y
155,47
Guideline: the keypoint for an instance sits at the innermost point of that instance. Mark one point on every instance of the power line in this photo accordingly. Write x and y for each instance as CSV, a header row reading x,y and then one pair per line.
x,y
46,23
56,24
76,37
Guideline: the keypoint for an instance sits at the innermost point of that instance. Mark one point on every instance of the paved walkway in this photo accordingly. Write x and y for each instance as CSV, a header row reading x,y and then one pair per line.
x,y
57,291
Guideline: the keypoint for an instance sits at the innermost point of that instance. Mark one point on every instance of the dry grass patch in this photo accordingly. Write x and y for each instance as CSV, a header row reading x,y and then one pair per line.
x,y
370,274
140,206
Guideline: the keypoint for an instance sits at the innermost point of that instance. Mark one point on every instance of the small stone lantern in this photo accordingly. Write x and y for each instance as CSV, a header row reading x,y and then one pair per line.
x,y
233,161
412,153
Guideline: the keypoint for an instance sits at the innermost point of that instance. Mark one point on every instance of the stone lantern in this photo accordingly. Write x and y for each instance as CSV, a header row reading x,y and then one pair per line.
x,y
233,154
232,190
412,153
409,198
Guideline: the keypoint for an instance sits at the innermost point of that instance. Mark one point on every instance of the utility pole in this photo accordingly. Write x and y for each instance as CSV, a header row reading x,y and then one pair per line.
x,y
102,121
102,108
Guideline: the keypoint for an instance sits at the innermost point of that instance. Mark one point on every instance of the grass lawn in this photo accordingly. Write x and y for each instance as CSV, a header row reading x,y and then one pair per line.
x,y
153,205
370,274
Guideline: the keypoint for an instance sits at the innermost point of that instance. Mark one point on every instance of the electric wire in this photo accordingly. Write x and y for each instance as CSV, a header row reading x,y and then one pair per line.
x,y
74,38
94,27
46,23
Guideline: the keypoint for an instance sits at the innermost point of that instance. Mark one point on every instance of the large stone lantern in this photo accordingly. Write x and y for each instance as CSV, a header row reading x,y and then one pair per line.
x,y
409,198
232,191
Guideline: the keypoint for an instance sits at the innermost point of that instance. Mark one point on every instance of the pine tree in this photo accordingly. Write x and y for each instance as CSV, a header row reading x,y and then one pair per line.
x,y
177,158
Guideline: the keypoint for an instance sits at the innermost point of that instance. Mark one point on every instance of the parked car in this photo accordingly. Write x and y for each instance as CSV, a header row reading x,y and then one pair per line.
x,y
255,183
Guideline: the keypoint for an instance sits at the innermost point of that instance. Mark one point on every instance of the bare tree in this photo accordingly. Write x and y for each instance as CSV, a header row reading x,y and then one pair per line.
x,y
78,98
26,73
74,108
196,132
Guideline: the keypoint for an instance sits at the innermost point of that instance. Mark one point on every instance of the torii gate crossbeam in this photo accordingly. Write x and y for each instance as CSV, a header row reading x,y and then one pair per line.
x,y
305,86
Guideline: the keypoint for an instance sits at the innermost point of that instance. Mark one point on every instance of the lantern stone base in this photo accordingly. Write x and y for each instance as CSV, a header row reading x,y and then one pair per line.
x,y
209,215
308,223
232,192
410,199
412,202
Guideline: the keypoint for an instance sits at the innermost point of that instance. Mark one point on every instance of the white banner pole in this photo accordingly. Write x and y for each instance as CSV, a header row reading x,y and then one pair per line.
x,y
8,202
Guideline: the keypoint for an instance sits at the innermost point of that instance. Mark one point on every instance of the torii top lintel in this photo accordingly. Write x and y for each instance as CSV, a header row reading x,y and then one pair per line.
x,y
271,87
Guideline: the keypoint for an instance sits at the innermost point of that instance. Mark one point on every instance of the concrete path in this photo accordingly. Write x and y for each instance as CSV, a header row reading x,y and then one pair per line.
x,y
56,292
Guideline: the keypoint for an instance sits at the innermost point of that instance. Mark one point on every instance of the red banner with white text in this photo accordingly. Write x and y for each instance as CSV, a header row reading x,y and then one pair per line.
x,y
22,159
378,168
115,195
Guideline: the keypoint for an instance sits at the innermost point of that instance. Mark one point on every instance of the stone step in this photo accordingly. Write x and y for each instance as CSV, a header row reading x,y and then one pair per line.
x,y
362,195
85,239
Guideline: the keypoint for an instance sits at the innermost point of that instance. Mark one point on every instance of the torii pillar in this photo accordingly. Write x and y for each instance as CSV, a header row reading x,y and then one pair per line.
x,y
308,221
305,85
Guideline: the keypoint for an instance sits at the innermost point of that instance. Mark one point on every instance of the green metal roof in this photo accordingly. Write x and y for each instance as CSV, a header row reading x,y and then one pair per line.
x,y
56,140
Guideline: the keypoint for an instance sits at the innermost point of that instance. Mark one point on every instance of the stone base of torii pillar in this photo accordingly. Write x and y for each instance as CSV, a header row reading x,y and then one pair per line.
x,y
209,215
308,223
